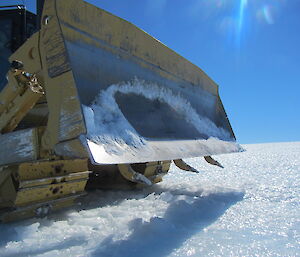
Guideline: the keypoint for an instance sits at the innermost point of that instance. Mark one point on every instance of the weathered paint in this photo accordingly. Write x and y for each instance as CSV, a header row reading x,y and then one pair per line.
x,y
19,146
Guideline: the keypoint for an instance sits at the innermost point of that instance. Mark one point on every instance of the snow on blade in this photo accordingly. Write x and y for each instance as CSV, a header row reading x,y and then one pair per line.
x,y
107,125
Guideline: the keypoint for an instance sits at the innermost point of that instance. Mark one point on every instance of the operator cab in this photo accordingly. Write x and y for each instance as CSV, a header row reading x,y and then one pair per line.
x,y
16,25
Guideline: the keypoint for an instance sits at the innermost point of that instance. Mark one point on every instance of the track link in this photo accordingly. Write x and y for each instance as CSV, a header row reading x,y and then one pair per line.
x,y
35,189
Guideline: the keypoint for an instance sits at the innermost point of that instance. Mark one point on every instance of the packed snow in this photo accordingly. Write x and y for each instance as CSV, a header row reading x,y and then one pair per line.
x,y
249,208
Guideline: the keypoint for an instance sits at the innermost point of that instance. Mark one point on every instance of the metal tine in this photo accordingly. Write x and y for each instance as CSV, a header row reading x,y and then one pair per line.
x,y
212,161
184,166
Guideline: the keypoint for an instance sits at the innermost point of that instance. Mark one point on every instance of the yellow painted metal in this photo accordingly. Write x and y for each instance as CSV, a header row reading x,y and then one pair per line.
x,y
7,190
17,110
130,174
156,170
60,168
8,93
97,49
123,35
152,167
28,185
46,169
33,209
54,180
148,173
65,120
29,54
17,98
48,192
48,55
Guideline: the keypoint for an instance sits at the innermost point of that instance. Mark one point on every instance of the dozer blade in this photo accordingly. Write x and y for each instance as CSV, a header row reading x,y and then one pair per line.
x,y
139,101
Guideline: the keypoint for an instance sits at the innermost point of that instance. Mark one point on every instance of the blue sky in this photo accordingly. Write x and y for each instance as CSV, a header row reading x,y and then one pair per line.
x,y
251,49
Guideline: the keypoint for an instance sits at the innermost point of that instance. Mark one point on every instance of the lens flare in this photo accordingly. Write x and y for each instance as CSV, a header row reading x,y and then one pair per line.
x,y
240,21
267,14
243,4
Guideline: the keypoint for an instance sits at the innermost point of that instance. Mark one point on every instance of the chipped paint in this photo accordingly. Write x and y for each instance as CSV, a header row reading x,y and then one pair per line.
x,y
18,146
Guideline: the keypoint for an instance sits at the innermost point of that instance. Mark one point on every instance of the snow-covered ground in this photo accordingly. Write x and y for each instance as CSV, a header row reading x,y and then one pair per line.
x,y
249,208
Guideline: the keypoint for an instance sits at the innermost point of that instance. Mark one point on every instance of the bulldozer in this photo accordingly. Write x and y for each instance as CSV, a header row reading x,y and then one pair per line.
x,y
90,101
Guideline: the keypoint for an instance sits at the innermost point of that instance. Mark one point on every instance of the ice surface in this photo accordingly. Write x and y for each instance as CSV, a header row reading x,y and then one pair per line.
x,y
249,208
107,125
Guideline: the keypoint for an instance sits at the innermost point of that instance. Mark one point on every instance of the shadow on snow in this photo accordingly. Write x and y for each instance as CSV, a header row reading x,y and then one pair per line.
x,y
160,236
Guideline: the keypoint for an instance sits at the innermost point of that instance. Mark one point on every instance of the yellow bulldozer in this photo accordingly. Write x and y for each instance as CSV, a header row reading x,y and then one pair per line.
x,y
88,100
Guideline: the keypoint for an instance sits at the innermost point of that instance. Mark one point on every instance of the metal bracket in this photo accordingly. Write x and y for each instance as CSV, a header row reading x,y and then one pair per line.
x,y
20,94
25,79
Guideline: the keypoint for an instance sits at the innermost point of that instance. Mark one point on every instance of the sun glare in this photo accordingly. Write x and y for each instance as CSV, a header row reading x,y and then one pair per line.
x,y
241,20
266,10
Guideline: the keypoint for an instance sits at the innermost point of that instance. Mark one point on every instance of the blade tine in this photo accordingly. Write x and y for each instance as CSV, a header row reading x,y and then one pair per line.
x,y
212,161
184,166
130,174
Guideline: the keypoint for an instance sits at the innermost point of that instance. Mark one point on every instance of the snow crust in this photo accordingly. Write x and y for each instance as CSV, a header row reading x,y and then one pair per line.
x,y
107,125
249,208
